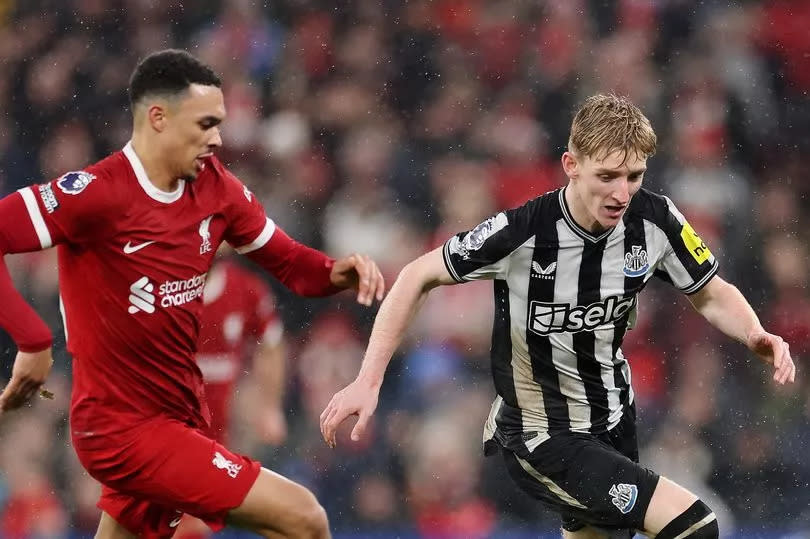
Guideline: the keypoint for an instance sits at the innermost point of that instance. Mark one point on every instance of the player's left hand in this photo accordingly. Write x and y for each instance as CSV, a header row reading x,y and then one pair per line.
x,y
360,273
27,376
774,350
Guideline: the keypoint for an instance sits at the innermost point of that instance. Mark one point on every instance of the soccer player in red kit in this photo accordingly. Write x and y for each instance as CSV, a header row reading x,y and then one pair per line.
x,y
239,322
137,233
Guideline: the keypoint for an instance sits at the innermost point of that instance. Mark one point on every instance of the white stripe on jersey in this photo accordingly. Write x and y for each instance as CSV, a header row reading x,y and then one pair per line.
x,y
566,290
40,227
529,395
261,239
612,284
672,264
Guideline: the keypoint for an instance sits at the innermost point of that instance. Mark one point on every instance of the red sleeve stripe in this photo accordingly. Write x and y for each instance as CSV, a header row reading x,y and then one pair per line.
x,y
40,227
261,240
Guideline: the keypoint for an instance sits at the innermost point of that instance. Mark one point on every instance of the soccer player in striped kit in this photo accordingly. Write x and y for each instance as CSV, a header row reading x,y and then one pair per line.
x,y
567,268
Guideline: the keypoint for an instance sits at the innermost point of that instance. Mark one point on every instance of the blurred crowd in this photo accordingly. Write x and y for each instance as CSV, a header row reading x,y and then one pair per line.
x,y
385,126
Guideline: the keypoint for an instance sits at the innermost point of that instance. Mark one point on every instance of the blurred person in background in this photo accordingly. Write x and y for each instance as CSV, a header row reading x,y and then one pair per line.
x,y
240,322
137,235
31,507
568,267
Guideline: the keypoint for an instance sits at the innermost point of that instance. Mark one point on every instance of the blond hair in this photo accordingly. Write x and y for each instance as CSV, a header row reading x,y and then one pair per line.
x,y
608,123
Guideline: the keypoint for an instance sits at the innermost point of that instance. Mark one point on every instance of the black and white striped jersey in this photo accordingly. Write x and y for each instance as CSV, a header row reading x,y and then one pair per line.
x,y
564,299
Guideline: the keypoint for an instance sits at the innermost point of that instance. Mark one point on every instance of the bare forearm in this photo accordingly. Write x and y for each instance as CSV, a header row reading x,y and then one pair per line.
x,y
728,310
396,312
270,367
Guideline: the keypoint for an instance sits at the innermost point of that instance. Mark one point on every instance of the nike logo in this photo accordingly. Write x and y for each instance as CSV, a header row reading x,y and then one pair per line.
x,y
129,248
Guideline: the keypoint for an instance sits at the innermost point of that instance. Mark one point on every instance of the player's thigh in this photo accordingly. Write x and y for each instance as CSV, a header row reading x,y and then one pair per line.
x,y
275,503
108,528
668,502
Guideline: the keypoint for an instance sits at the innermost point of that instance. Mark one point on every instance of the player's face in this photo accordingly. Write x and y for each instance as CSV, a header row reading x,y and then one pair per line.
x,y
192,129
600,190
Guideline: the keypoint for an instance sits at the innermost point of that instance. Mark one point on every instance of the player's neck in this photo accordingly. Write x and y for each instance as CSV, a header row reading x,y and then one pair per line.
x,y
157,173
580,213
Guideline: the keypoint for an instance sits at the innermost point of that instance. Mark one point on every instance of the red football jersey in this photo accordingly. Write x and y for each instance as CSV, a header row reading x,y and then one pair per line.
x,y
239,314
133,262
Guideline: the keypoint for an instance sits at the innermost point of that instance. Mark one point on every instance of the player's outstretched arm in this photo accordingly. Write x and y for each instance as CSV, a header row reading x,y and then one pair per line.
x,y
722,304
309,272
410,290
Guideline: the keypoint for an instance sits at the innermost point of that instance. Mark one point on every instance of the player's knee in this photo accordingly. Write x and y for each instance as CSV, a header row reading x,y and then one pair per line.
x,y
311,522
697,522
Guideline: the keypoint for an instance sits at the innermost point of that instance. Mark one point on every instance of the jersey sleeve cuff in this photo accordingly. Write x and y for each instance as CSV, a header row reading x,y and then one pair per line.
x,y
34,347
696,287
448,263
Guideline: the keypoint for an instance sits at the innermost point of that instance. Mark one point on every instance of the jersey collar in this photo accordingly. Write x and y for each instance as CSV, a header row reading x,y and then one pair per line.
x,y
576,227
148,186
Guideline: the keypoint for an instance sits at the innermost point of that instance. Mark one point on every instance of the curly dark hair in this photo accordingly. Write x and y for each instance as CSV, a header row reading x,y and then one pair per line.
x,y
168,72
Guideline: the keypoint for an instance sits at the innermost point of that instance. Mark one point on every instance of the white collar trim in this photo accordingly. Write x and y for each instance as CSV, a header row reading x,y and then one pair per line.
x,y
146,184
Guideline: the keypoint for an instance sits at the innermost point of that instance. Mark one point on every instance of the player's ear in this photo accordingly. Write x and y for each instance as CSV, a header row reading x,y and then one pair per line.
x,y
570,165
156,114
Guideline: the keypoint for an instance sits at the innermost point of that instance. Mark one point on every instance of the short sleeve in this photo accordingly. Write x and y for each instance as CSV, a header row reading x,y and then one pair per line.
x,y
248,226
687,262
73,208
483,252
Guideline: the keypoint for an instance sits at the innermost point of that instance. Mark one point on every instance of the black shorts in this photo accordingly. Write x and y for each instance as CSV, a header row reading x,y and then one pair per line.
x,y
589,479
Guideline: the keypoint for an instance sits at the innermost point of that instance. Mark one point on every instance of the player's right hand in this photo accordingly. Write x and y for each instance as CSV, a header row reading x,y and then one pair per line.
x,y
27,376
358,398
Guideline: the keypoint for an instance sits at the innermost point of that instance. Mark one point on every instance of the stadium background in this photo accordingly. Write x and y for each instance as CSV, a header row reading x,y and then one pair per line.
x,y
384,126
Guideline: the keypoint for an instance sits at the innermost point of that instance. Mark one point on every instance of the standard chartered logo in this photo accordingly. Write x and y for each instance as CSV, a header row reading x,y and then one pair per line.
x,y
141,297
170,293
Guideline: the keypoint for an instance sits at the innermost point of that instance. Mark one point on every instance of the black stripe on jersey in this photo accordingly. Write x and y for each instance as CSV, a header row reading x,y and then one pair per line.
x,y
634,235
541,288
590,286
656,208
502,347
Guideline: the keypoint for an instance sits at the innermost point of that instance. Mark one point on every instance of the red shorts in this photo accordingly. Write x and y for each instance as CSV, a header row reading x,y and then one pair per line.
x,y
154,472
